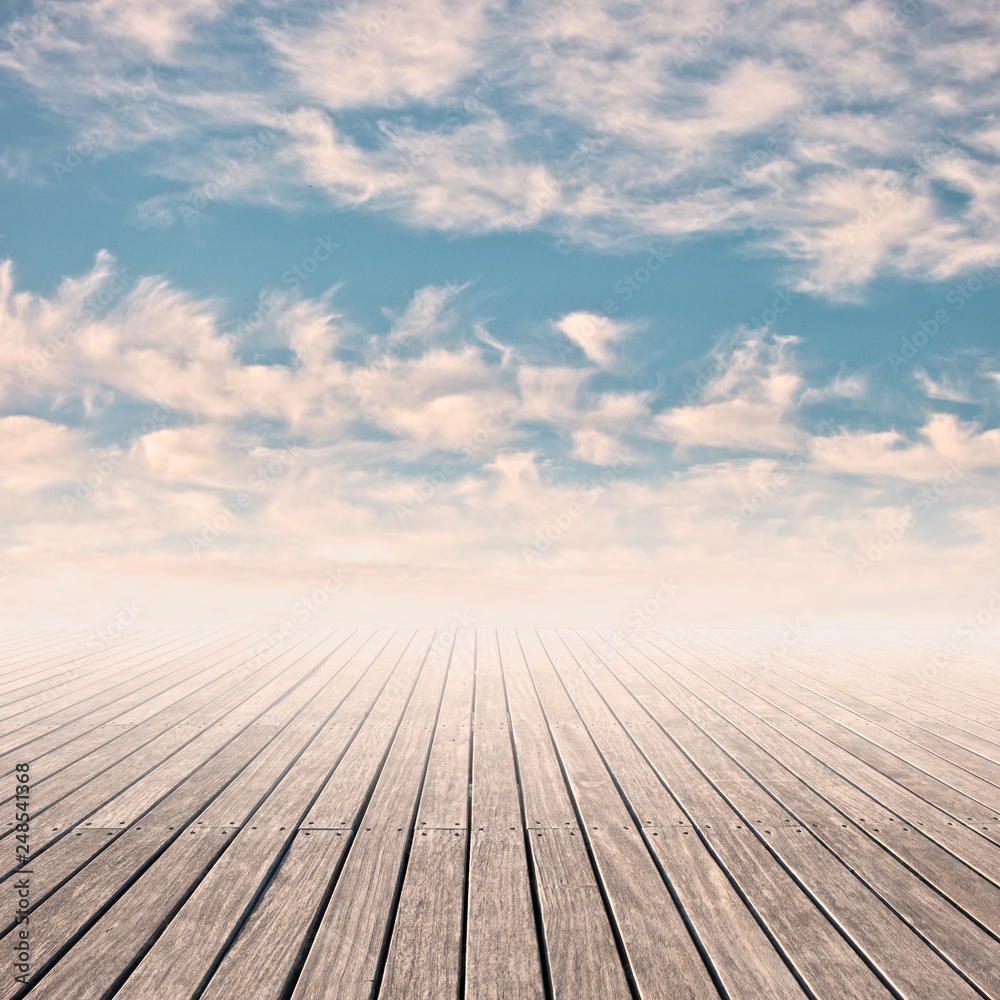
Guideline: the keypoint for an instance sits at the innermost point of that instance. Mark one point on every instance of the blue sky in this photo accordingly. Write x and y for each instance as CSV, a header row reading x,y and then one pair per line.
x,y
504,313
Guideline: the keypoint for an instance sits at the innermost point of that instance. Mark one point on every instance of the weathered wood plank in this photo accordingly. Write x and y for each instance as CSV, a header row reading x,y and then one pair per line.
x,y
164,823
67,800
582,954
196,939
424,960
502,947
876,930
742,956
65,726
818,952
290,683
494,814
346,955
863,793
444,801
662,953
86,684
949,787
425,951
103,955
252,966
886,704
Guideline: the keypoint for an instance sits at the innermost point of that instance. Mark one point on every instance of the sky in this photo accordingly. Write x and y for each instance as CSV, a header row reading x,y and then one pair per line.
x,y
421,312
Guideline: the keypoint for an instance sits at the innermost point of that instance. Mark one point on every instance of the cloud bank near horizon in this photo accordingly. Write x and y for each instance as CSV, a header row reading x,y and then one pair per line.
x,y
143,433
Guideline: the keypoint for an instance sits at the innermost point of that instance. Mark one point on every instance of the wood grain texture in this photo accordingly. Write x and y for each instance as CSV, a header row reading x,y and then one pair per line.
x,y
582,956
253,966
350,942
504,815
501,946
425,953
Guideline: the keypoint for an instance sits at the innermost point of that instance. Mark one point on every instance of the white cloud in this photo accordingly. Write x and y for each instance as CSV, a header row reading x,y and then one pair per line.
x,y
202,455
608,125
37,453
749,405
425,316
155,29
439,400
596,446
331,505
946,443
940,389
593,334
852,386
390,53
550,393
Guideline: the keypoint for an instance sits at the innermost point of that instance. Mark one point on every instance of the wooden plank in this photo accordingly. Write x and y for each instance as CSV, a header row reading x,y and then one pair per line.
x,y
844,721
344,793
574,918
289,683
185,800
662,954
929,720
102,957
862,792
424,959
545,801
964,943
900,661
743,958
662,950
792,821
875,929
502,951
877,710
63,916
955,707
648,798
35,660
346,955
62,858
495,802
84,684
115,748
17,647
580,947
444,801
501,941
388,662
821,956
252,966
72,666
73,725
62,804
425,950
164,823
46,877
196,940
66,726
911,969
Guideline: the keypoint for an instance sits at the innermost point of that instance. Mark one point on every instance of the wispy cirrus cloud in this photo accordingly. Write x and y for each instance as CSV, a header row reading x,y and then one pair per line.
x,y
854,139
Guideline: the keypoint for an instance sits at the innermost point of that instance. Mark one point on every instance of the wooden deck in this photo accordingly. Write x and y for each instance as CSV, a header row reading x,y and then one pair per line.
x,y
500,814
